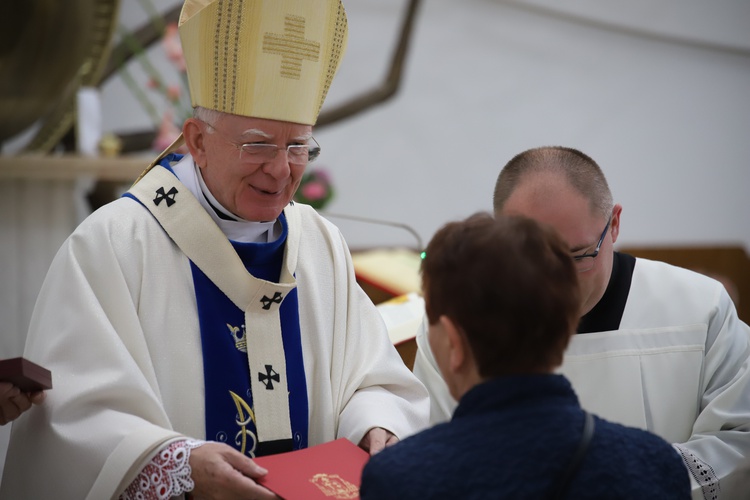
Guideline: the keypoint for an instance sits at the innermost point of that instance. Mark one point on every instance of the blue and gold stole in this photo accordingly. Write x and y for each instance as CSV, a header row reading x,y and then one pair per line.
x,y
249,307
229,401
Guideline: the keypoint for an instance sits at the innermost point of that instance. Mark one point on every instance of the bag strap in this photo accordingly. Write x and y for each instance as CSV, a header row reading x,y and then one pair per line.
x,y
575,461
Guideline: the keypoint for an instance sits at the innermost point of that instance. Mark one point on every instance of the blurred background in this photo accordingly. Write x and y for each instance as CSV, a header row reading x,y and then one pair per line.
x,y
656,91
433,97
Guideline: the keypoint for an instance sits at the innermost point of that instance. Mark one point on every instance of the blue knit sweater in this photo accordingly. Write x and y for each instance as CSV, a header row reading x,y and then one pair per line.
x,y
512,437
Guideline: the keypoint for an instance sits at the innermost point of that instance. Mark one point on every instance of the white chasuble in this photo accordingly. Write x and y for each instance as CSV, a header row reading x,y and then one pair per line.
x,y
117,324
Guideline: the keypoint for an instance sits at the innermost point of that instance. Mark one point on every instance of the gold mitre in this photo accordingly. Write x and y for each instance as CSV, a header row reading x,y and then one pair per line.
x,y
271,59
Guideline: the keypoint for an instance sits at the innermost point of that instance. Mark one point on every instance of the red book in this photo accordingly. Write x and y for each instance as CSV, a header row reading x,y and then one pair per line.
x,y
327,471
27,376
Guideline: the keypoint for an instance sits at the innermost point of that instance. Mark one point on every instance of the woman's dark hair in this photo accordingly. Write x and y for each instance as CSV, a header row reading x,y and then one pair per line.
x,y
510,285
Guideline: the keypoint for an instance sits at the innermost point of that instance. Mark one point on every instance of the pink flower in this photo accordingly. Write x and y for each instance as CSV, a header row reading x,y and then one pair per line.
x,y
173,92
167,133
173,47
321,174
314,190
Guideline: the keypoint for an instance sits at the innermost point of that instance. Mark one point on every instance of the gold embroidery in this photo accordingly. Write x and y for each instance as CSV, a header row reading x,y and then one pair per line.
x,y
337,50
242,421
292,47
240,339
333,485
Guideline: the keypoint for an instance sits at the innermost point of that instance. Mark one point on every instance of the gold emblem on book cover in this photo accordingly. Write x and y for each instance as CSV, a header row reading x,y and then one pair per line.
x,y
333,485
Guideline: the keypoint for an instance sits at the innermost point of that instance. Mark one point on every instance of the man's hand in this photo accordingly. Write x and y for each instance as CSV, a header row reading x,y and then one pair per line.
x,y
377,439
13,402
221,472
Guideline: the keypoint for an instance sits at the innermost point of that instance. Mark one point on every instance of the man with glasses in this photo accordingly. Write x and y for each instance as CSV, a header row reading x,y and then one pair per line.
x,y
658,347
203,319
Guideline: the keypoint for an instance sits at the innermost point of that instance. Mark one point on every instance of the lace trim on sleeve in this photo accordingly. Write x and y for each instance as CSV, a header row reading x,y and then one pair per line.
x,y
167,475
703,474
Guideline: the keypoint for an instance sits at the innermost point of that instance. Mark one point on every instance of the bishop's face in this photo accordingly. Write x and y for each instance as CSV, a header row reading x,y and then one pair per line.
x,y
254,191
547,198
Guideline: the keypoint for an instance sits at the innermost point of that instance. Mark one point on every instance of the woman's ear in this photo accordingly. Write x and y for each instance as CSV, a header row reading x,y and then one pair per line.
x,y
457,347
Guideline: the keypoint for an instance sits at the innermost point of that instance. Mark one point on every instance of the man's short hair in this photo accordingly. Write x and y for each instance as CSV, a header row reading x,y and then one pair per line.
x,y
510,284
581,172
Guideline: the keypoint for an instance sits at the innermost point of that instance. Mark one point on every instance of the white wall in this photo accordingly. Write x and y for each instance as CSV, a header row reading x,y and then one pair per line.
x,y
657,91
669,122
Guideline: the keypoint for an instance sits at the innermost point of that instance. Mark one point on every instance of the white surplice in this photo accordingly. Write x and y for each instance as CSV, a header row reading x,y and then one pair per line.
x,y
116,323
678,366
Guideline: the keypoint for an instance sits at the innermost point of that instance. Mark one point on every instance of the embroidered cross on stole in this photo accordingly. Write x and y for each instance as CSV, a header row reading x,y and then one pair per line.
x,y
259,299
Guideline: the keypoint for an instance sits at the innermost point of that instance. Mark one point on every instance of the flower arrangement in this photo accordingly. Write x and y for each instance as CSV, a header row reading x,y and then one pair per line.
x,y
168,129
174,100
315,189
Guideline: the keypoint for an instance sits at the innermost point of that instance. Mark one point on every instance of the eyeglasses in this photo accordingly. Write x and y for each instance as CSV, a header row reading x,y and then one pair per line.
x,y
585,262
259,153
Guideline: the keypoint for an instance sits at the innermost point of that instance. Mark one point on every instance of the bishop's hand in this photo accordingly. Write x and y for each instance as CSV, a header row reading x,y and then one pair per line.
x,y
220,472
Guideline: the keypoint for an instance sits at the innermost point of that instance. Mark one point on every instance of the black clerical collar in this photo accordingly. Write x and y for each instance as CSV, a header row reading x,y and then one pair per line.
x,y
607,313
218,212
